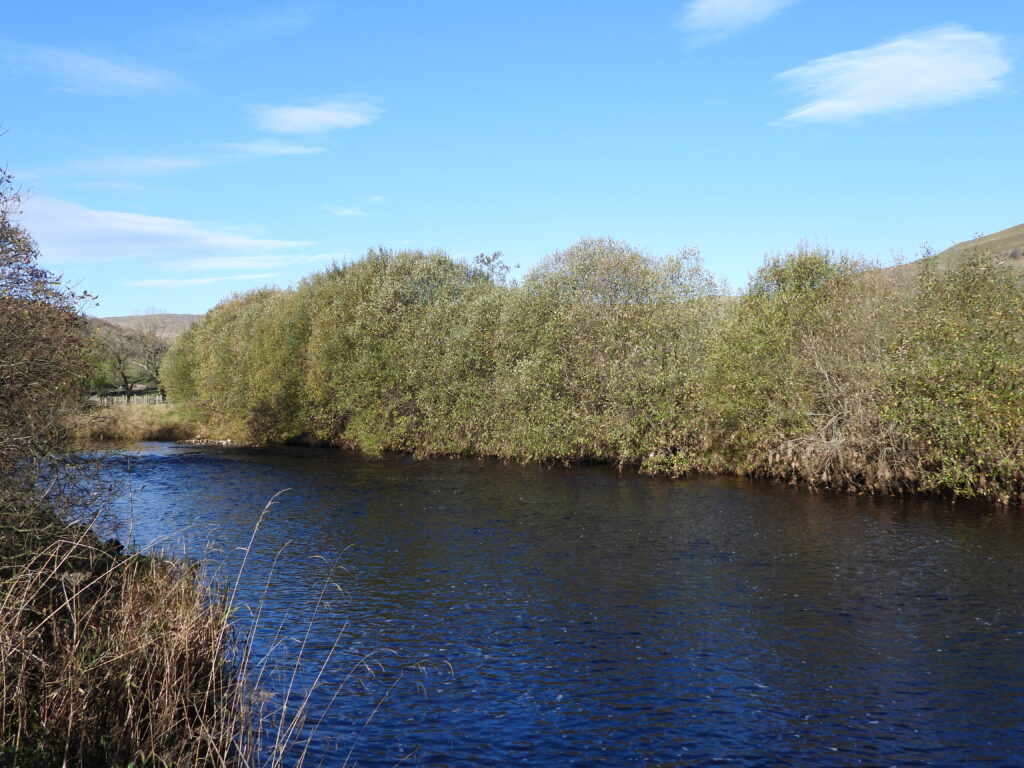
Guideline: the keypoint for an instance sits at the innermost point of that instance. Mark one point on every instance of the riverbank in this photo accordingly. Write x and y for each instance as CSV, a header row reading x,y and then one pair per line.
x,y
182,425
108,657
823,372
135,423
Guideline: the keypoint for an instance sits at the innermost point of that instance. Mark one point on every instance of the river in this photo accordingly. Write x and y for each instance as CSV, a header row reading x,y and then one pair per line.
x,y
490,614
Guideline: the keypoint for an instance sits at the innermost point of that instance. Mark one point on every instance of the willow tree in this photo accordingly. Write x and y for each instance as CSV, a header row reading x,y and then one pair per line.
x,y
792,385
598,350
375,354
955,369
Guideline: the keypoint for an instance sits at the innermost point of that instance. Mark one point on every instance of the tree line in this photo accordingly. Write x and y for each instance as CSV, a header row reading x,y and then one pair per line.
x,y
823,370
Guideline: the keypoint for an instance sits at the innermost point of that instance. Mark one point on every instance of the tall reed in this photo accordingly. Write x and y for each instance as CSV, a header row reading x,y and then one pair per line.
x,y
115,659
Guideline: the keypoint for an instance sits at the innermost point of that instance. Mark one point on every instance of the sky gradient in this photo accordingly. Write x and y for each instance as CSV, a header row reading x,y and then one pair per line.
x,y
175,154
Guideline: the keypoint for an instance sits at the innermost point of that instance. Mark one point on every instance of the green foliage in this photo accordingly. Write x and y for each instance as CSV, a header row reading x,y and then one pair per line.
x,y
376,338
956,370
816,373
598,351
179,367
758,387
231,362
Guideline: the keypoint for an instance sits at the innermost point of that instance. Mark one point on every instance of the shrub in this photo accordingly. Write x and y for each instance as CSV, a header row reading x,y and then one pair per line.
x,y
793,378
597,351
823,371
44,360
956,368
372,349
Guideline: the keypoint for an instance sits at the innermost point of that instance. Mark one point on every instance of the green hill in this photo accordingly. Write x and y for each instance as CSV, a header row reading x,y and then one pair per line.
x,y
1007,245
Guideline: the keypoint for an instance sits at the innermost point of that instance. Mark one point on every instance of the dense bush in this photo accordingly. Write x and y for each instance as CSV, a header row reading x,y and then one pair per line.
x,y
43,351
824,370
379,329
956,367
792,379
598,352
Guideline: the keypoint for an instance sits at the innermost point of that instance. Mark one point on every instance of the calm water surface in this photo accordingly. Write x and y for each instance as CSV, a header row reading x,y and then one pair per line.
x,y
502,615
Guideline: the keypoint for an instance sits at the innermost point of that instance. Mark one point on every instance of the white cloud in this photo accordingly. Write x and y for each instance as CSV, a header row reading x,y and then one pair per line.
x,y
84,72
70,233
190,281
121,185
719,18
318,118
348,212
279,21
926,68
271,147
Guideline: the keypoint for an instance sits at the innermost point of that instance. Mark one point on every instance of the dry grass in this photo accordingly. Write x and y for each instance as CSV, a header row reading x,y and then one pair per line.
x,y
127,660
113,660
135,423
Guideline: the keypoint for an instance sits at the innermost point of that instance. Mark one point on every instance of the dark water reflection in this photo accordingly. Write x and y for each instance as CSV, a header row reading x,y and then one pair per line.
x,y
549,617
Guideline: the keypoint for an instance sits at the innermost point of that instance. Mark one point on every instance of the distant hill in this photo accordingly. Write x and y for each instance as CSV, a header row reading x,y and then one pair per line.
x,y
1007,246
167,325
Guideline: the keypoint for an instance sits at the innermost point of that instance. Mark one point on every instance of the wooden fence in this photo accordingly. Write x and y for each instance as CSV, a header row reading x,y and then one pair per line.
x,y
107,401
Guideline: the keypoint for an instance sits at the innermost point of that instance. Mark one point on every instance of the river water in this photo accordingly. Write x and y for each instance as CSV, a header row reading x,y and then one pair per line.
x,y
485,614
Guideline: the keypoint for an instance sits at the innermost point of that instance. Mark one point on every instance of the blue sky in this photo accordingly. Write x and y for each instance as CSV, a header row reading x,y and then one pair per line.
x,y
175,153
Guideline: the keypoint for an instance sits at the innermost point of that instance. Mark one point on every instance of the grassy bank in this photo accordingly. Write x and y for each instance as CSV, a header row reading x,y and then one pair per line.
x,y
110,659
119,424
823,370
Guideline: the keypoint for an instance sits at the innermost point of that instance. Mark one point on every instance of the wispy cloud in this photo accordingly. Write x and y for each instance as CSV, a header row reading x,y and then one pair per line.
x,y
271,147
121,185
248,261
120,171
131,166
71,233
936,66
186,282
224,32
348,212
715,19
86,72
317,118
273,22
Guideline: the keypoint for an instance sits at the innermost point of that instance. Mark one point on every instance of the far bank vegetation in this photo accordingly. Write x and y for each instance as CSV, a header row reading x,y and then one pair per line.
x,y
823,370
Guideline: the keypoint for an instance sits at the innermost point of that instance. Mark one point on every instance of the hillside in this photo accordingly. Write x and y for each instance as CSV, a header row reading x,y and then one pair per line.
x,y
167,325
1007,245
